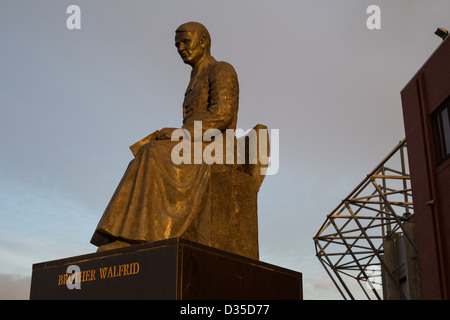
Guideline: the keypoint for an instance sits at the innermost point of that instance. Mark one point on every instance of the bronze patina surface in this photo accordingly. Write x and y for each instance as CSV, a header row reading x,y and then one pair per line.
x,y
211,204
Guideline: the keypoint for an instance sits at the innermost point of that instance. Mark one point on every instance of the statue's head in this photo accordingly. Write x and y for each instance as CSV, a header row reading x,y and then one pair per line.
x,y
193,42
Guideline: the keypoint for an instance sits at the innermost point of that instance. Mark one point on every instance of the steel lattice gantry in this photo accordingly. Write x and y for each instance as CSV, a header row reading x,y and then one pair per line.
x,y
351,243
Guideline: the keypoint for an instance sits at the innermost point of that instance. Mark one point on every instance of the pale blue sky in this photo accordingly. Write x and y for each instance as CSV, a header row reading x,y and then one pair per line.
x,y
72,101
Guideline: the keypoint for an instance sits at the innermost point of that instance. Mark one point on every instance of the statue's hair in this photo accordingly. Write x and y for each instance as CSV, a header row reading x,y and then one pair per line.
x,y
196,27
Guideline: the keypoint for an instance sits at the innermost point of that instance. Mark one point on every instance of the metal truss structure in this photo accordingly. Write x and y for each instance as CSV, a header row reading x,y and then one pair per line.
x,y
349,244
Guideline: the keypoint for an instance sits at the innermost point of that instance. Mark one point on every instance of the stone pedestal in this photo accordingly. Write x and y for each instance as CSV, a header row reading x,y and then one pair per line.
x,y
174,269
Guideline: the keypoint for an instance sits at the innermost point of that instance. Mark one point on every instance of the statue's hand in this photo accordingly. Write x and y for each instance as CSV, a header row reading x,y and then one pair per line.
x,y
164,134
151,137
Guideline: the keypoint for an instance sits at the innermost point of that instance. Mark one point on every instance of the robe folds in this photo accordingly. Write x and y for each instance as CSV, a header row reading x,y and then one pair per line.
x,y
157,199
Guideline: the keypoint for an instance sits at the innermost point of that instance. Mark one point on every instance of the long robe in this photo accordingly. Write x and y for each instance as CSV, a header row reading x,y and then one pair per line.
x,y
157,199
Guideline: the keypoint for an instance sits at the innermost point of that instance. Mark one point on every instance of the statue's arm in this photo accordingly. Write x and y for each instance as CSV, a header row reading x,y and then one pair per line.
x,y
223,99
222,106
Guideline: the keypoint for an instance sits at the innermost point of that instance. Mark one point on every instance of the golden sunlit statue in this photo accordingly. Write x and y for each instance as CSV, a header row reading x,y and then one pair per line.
x,y
212,204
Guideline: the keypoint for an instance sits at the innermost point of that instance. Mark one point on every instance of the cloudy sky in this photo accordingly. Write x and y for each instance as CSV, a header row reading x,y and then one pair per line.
x,y
73,101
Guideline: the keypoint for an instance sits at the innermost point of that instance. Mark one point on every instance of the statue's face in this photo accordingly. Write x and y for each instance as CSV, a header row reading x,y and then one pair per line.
x,y
190,47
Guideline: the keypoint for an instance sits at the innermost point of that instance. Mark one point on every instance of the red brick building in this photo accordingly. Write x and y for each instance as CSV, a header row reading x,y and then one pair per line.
x,y
426,112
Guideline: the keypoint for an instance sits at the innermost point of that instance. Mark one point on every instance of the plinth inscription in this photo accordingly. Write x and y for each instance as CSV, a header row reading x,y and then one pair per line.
x,y
126,273
173,269
98,274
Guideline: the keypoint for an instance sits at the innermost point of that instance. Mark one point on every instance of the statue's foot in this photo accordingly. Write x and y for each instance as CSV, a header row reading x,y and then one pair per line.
x,y
113,245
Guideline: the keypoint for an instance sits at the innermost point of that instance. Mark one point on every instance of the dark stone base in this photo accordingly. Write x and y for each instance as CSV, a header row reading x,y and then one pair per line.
x,y
174,269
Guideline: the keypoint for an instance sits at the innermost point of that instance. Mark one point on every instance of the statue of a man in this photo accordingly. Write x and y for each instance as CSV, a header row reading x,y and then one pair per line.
x,y
157,199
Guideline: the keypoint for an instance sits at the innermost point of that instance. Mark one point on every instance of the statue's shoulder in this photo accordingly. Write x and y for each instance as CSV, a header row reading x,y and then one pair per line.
x,y
222,68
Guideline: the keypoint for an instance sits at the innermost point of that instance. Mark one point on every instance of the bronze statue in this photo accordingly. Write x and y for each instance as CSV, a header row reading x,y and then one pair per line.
x,y
157,199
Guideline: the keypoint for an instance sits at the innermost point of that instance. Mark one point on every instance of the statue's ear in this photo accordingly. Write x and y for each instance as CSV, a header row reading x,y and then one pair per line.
x,y
203,42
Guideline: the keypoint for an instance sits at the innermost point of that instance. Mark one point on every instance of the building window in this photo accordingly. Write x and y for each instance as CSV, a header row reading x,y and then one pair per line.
x,y
441,131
